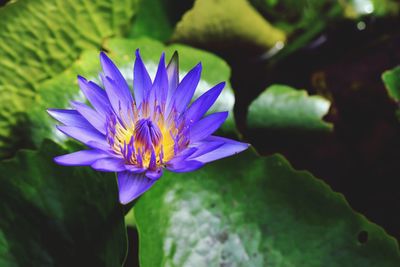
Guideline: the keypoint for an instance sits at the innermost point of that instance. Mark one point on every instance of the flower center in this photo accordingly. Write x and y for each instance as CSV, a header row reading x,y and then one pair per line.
x,y
147,140
147,134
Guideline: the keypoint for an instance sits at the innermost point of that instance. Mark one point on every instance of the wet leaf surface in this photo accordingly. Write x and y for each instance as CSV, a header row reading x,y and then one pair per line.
x,y
252,211
58,216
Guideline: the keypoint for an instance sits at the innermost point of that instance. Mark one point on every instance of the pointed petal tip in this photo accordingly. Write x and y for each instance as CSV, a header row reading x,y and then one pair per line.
x,y
137,52
60,160
103,58
162,60
81,78
53,113
62,128
57,160
174,61
224,114
50,111
103,54
229,148
199,66
218,89
125,201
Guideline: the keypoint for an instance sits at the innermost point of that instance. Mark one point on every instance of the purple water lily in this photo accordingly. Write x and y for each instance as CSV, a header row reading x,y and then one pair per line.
x,y
137,136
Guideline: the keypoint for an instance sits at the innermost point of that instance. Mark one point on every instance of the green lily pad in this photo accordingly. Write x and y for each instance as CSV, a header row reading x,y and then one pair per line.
x,y
57,92
14,131
391,78
58,216
252,211
39,39
283,107
227,26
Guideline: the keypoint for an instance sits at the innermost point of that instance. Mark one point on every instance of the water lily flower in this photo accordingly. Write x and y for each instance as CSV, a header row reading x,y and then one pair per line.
x,y
139,135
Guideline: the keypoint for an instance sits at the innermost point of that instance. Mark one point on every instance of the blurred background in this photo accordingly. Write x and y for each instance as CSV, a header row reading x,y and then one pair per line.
x,y
339,56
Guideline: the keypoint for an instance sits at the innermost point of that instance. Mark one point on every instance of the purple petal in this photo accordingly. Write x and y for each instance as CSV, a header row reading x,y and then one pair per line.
x,y
134,169
199,107
173,75
121,90
80,158
104,147
84,135
206,126
183,155
186,88
97,120
160,84
109,165
95,94
184,166
154,174
69,117
131,185
204,147
141,80
229,148
120,106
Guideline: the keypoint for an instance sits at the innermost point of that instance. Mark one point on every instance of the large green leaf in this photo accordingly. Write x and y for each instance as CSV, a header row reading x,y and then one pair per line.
x,y
391,78
227,27
58,216
41,38
251,211
57,92
285,108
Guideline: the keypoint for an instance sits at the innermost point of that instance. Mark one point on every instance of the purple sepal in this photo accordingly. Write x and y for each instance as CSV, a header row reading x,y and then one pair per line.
x,y
186,89
109,165
201,105
68,117
228,148
159,89
95,94
141,80
173,75
184,166
182,155
154,174
96,119
80,158
121,92
131,185
120,106
84,135
207,126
